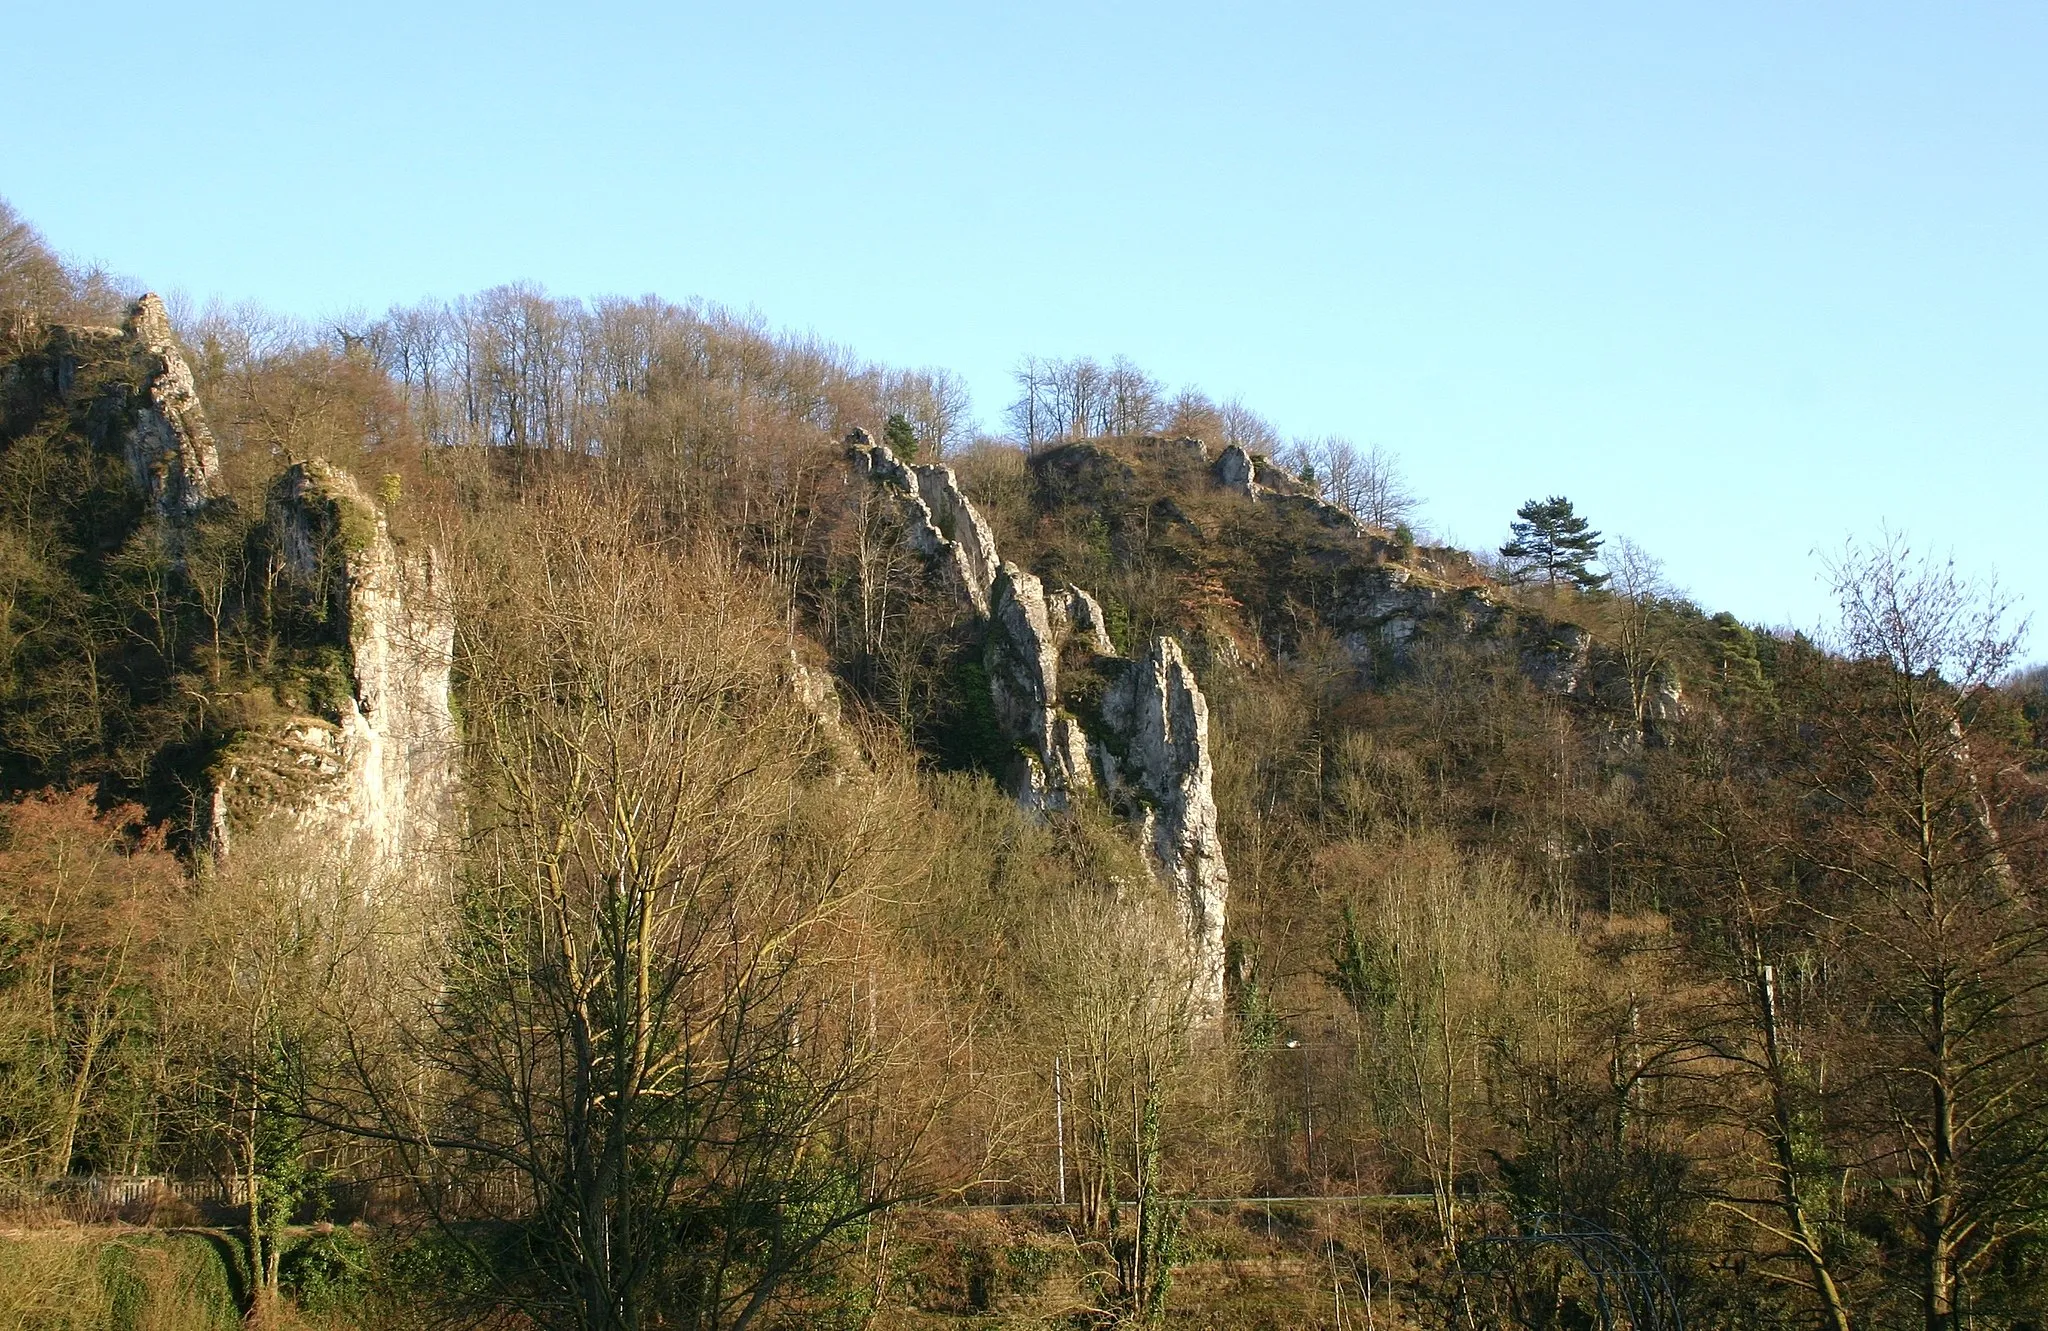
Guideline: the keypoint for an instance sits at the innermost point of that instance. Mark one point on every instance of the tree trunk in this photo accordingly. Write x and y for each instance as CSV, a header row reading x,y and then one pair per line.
x,y
1811,1247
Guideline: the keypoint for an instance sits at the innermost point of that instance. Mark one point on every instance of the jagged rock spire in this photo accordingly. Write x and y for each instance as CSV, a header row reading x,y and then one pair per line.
x,y
170,449
1152,758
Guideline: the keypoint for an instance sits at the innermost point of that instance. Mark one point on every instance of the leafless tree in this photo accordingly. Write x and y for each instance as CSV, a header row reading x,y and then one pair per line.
x,y
1193,415
32,281
937,405
1364,482
1939,1054
1641,636
1032,416
1246,428
657,1030
1118,985
1131,400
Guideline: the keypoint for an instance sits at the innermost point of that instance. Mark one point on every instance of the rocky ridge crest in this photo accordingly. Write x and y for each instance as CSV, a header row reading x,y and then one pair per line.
x,y
1306,566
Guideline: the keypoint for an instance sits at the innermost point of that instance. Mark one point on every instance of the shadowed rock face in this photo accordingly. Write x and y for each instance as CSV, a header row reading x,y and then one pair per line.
x,y
1152,757
160,431
375,776
1074,613
1235,471
381,781
1385,601
817,693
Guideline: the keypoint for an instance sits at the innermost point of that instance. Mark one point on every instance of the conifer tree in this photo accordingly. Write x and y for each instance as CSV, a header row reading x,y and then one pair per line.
x,y
900,436
1553,543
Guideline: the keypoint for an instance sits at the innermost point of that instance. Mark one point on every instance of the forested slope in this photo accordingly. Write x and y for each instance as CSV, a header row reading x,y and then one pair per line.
x,y
542,779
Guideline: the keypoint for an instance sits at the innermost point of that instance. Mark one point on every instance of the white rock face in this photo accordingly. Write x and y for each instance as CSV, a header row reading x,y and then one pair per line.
x,y
381,784
170,449
1235,471
1074,613
968,557
1157,711
818,695
1023,661
1155,759
1255,477
958,521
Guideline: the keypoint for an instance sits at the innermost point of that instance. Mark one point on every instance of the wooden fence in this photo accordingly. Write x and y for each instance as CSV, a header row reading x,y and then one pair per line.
x,y
139,1198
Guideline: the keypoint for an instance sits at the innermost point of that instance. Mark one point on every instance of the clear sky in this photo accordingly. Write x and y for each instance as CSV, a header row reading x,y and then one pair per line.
x,y
1740,279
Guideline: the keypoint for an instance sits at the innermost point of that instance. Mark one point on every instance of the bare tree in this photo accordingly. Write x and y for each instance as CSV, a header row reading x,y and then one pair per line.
x,y
1364,482
1246,428
1641,637
1193,415
85,915
937,405
1118,985
1033,417
1942,947
1761,1024
1447,965
1077,393
258,956
656,1044
1131,400
32,282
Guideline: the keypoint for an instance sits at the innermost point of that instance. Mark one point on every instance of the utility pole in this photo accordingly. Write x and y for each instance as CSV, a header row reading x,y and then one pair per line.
x,y
1059,1126
1308,1121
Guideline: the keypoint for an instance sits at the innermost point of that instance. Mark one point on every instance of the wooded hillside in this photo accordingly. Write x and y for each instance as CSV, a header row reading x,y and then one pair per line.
x,y
524,775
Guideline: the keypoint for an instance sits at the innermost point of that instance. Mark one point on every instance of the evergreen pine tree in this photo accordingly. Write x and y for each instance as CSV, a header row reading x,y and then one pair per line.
x,y
1553,543
900,436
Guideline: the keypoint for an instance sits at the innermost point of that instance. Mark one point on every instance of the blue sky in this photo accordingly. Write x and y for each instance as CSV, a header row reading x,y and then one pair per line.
x,y
1742,280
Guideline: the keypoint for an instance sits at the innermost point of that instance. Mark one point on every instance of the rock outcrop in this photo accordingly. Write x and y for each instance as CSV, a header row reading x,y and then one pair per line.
x,y
142,403
818,695
1235,471
351,737
1157,743
1384,615
1023,661
959,523
170,449
1257,478
378,776
938,521
1075,614
1149,751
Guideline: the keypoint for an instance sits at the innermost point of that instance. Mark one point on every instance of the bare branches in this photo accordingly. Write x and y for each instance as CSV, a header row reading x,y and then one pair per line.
x,y
1921,615
1365,482
643,1018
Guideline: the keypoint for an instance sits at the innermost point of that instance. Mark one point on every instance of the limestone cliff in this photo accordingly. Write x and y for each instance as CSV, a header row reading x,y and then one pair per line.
x,y
958,523
1156,741
1023,659
377,777
1149,750
170,449
135,395
938,522
815,692
1385,614
1289,571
